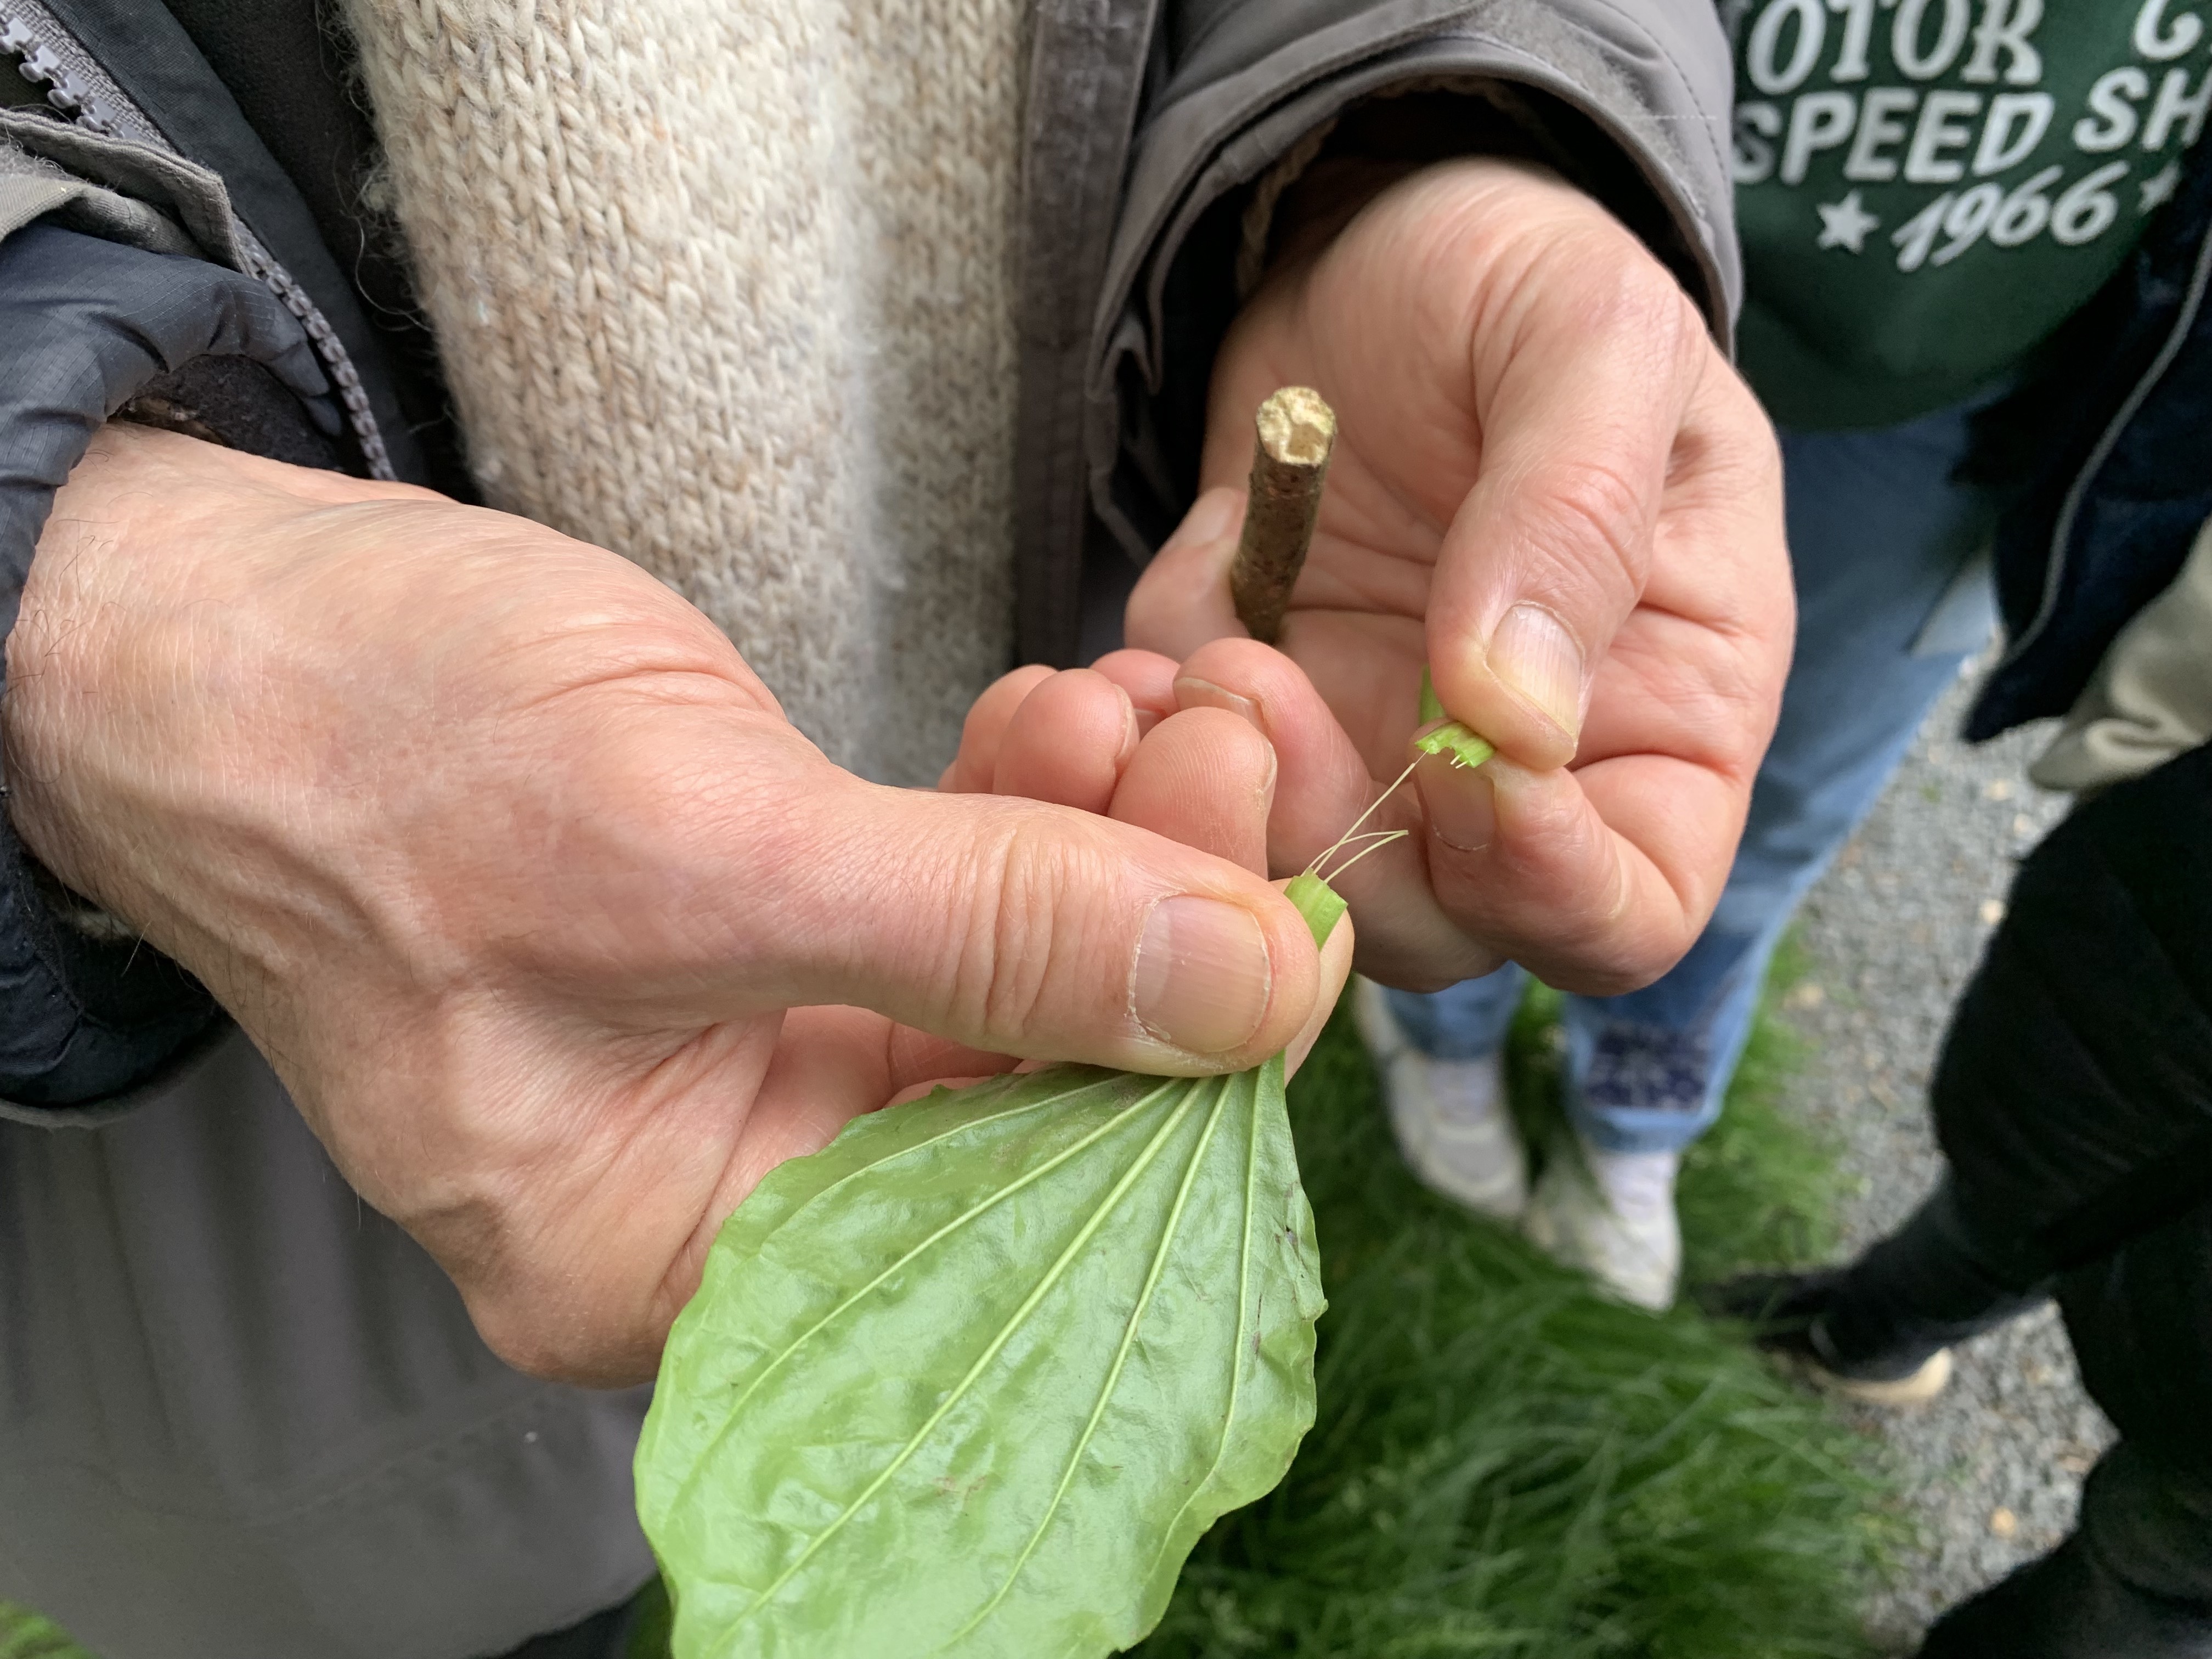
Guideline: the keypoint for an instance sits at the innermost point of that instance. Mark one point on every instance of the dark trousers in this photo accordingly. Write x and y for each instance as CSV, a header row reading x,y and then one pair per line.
x,y
603,1636
2141,1323
2073,1103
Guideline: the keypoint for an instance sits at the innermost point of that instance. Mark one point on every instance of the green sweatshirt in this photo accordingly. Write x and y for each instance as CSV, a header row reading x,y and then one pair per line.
x,y
1927,189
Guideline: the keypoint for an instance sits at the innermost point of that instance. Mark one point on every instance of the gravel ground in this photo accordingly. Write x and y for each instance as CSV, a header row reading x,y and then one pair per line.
x,y
1992,1471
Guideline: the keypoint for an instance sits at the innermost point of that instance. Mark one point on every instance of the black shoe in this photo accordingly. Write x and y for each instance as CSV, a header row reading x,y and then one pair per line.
x,y
2068,1606
1785,1312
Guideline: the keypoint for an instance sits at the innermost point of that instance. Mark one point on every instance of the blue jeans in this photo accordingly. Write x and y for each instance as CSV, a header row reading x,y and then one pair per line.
x,y
1891,600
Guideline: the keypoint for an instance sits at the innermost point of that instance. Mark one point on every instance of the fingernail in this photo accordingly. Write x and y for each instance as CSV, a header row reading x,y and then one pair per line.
x,y
1204,693
1132,733
1461,803
1210,517
1533,653
1203,977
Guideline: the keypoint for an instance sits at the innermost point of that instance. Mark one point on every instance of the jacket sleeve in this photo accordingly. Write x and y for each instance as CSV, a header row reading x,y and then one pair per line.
x,y
1635,94
1629,98
90,327
2151,697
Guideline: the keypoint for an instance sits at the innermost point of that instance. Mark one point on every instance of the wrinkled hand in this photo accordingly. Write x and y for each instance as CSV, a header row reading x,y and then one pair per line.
x,y
559,934
1548,486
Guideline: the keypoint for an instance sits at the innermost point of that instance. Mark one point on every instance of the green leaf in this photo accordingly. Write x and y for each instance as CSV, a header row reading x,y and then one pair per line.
x,y
25,1635
974,1378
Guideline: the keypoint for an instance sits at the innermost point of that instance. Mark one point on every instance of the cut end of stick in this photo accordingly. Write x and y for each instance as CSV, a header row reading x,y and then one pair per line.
x,y
1297,427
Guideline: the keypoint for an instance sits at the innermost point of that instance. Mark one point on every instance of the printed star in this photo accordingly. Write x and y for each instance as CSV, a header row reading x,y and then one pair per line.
x,y
2158,189
1844,224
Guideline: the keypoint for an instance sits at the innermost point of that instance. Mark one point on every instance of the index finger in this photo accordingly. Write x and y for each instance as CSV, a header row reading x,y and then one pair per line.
x,y
1581,396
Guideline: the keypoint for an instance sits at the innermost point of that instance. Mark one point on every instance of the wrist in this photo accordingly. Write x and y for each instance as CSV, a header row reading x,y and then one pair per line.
x,y
148,668
1380,143
1321,186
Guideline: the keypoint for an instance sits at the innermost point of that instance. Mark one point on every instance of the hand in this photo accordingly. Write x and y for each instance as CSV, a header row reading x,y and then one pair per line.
x,y
500,853
1550,488
1109,740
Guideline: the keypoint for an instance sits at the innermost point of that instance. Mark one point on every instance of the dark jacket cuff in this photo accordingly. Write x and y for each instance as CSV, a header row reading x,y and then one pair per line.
x,y
90,328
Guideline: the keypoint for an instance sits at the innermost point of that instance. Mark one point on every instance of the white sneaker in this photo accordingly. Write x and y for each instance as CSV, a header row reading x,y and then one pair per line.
x,y
1449,1115
1917,1389
1610,1214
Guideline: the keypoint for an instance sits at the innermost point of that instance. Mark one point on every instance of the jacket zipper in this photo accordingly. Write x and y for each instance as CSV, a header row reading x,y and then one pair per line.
x,y
2062,531
76,85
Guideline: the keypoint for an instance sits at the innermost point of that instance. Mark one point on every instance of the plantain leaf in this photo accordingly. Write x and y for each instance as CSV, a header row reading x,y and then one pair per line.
x,y
1456,743
1451,739
974,1378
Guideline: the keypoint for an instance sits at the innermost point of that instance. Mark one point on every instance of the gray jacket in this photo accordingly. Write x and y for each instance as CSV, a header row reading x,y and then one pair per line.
x,y
241,1415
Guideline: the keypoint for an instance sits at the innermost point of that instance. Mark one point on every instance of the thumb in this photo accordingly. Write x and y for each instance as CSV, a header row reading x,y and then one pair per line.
x,y
1183,600
1548,553
1026,928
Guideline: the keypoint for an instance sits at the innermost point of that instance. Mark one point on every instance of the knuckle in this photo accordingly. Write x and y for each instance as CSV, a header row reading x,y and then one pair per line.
x,y
1643,303
1615,965
1623,292
1609,949
1039,964
1599,527
1627,944
1006,947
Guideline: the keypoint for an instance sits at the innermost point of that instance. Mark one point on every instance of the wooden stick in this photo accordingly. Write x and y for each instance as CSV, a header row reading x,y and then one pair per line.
x,y
1296,431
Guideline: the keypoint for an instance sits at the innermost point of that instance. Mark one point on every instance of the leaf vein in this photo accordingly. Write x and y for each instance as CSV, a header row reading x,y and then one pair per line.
x,y
1237,1354
1121,1358
692,1475
1005,1332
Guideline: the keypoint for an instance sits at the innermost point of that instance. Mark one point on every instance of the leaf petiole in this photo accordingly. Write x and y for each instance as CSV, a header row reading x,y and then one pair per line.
x,y
1451,739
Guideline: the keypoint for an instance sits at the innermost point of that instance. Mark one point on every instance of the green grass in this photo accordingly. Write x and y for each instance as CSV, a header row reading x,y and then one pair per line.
x,y
1506,1465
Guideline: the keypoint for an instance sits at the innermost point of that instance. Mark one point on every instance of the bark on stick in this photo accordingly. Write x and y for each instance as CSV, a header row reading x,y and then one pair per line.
x,y
1289,460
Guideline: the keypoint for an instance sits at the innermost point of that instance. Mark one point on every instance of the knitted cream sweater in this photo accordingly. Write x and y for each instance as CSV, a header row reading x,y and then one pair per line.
x,y
726,286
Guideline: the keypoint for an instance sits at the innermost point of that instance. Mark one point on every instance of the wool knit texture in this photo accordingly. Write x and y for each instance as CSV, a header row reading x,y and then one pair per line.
x,y
726,286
